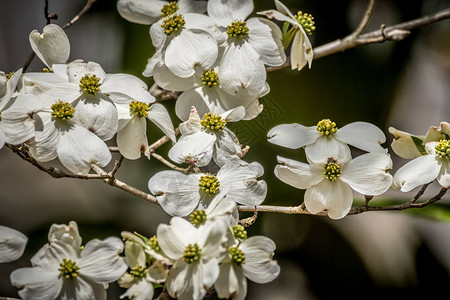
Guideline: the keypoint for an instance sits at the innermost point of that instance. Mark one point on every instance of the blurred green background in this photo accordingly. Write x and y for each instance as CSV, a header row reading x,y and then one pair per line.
x,y
402,84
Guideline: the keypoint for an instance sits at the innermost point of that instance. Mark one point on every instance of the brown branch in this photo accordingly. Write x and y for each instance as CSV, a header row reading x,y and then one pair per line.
x,y
391,33
83,11
169,164
366,18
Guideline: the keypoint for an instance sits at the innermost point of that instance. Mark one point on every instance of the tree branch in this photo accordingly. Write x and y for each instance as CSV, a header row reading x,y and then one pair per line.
x,y
366,18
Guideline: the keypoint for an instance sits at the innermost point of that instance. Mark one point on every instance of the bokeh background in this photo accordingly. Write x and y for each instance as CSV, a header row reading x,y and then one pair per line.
x,y
402,84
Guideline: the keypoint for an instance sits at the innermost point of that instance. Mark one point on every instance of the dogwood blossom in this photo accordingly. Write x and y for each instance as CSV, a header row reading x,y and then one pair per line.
x,y
251,258
433,164
61,270
52,46
326,140
250,45
301,49
329,183
208,138
147,12
12,244
179,194
196,254
220,206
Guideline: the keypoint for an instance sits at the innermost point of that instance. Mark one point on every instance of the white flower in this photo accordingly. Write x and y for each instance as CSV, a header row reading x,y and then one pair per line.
x,y
435,164
12,244
16,113
220,206
62,271
252,259
326,140
196,253
52,46
301,49
250,45
59,135
204,91
329,185
179,194
132,131
150,11
208,138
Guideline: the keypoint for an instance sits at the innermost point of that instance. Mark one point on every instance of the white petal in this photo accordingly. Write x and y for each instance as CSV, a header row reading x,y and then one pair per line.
x,y
140,11
293,136
132,138
174,238
368,173
128,85
251,104
176,192
336,197
231,280
241,70
206,23
78,68
2,139
17,121
227,148
68,234
12,244
188,49
297,174
192,6
403,144
43,147
169,81
277,15
142,290
259,266
444,175
204,99
234,115
11,85
266,38
82,288
212,236
220,206
196,147
283,9
225,12
241,181
37,283
78,148
159,115
100,260
301,50
97,113
419,171
185,281
153,61
328,147
362,135
52,46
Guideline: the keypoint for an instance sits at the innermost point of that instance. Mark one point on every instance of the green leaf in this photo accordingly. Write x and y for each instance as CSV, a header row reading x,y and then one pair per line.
x,y
419,145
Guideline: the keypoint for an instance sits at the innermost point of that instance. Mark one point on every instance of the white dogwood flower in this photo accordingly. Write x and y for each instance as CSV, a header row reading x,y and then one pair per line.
x,y
147,12
220,206
250,45
327,140
52,46
252,259
208,138
61,270
434,163
12,244
16,112
58,134
196,254
329,185
179,194
303,24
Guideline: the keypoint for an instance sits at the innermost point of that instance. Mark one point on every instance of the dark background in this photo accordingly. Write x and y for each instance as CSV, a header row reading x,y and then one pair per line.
x,y
402,84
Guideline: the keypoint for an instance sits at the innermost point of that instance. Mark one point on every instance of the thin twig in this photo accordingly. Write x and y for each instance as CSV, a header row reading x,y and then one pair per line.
x,y
366,18
80,14
169,164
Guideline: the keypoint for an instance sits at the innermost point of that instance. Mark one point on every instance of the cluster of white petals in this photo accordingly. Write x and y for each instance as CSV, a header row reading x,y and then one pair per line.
x,y
12,244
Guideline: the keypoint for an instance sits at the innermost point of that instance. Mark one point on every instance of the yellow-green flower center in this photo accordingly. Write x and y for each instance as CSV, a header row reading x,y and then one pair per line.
x,y
237,256
210,78
192,253
332,171
9,75
138,272
443,148
139,109
198,217
239,232
90,84
62,111
69,269
213,122
326,127
307,22
237,29
169,9
209,183
172,23
47,70
153,243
